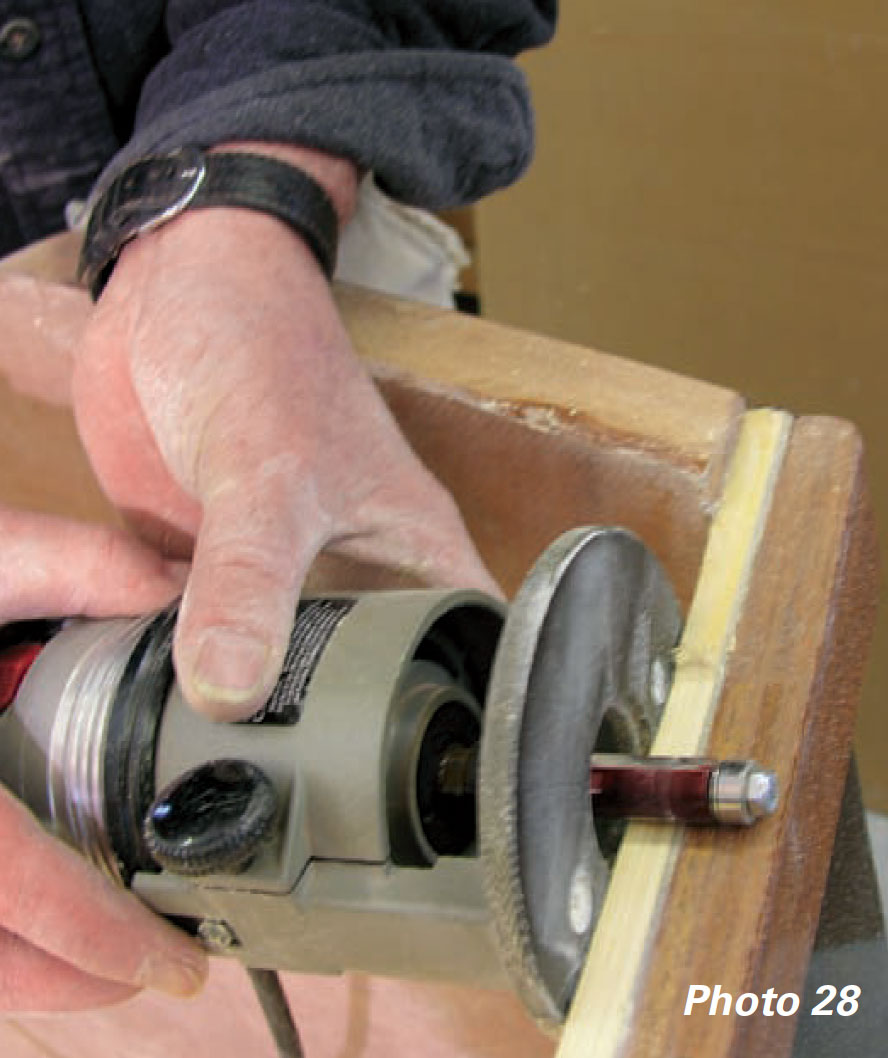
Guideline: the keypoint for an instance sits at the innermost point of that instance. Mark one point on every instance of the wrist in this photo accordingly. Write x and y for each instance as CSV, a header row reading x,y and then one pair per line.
x,y
239,244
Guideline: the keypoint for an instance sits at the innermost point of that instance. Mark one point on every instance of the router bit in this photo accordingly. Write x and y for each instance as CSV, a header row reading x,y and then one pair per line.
x,y
682,789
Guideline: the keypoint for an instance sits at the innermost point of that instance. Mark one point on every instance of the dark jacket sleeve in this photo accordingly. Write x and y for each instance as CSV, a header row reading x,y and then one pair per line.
x,y
422,92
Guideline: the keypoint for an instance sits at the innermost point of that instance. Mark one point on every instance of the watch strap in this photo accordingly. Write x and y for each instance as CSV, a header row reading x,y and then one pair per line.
x,y
156,189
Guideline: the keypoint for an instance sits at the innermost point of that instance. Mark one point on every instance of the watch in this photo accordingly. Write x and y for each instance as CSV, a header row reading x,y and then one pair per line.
x,y
159,187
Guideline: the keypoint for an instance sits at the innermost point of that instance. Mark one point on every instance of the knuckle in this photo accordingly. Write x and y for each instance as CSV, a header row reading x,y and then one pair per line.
x,y
108,548
250,561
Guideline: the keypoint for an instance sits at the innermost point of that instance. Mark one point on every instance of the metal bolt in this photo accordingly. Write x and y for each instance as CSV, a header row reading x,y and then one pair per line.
x,y
216,934
458,771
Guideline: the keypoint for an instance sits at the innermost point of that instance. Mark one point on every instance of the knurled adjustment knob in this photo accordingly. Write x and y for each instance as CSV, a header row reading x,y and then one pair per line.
x,y
211,820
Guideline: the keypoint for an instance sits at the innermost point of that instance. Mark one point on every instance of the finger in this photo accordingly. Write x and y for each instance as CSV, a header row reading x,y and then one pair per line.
x,y
52,566
32,980
42,325
255,544
52,898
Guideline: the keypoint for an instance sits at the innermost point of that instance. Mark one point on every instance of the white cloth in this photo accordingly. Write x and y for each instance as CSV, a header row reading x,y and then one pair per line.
x,y
400,250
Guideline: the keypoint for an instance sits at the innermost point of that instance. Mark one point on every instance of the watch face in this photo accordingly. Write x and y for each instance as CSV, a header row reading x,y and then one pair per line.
x,y
143,197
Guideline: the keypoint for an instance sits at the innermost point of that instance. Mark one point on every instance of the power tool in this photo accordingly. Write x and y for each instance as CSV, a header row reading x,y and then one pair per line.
x,y
431,767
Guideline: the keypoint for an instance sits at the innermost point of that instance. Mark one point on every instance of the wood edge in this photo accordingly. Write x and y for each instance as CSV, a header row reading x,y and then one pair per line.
x,y
716,474
53,258
601,1015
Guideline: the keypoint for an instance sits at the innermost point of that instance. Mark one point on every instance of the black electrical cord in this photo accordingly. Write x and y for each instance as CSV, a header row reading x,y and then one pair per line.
x,y
273,1000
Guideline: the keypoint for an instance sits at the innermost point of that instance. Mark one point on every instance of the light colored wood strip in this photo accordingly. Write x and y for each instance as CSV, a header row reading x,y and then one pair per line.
x,y
603,1007
721,587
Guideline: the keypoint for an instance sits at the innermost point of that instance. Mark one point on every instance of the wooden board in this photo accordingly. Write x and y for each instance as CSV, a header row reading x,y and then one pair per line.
x,y
534,436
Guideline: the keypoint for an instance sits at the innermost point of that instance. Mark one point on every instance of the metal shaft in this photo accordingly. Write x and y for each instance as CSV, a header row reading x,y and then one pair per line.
x,y
682,789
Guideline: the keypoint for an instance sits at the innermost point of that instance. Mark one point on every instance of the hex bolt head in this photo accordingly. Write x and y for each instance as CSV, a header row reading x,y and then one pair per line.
x,y
216,935
762,793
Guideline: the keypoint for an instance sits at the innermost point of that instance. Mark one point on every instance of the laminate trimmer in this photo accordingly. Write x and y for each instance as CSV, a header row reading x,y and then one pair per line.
x,y
414,800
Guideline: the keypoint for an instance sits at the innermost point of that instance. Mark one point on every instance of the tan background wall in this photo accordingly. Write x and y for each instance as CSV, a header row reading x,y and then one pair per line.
x,y
711,194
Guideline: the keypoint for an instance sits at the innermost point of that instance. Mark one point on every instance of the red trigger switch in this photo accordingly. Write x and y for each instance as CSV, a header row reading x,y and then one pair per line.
x,y
14,664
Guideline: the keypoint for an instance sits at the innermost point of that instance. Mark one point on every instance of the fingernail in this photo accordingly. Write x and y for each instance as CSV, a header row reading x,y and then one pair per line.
x,y
230,665
175,977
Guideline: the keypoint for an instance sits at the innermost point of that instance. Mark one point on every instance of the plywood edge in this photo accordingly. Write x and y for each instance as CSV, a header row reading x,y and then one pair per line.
x,y
601,1016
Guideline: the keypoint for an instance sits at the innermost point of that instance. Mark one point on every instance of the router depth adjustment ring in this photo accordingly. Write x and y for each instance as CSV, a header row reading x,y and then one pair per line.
x,y
584,663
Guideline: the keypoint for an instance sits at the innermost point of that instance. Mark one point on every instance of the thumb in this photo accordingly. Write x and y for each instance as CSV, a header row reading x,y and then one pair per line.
x,y
256,541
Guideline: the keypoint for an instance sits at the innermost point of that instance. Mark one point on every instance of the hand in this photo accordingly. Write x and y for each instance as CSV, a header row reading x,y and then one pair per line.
x,y
69,938
219,398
